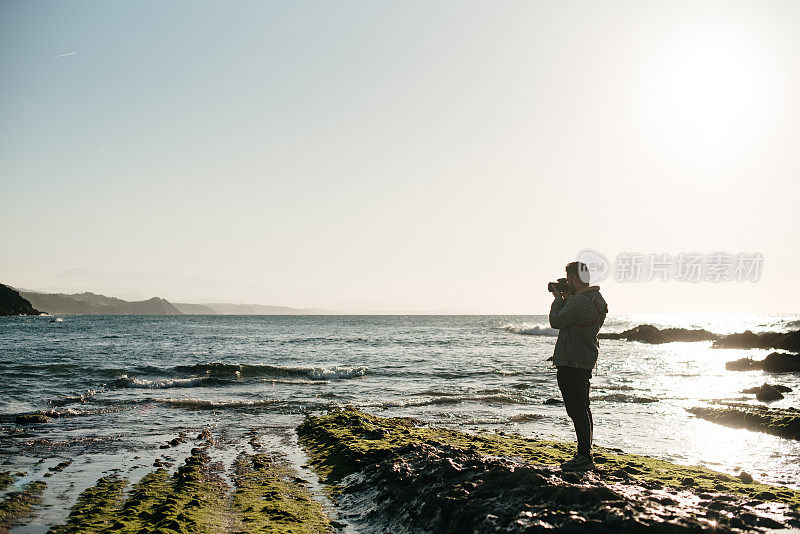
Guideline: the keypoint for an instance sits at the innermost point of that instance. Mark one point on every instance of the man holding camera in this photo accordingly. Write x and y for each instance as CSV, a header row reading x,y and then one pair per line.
x,y
578,311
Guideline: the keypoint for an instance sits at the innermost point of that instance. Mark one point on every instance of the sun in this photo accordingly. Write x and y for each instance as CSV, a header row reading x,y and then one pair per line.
x,y
709,91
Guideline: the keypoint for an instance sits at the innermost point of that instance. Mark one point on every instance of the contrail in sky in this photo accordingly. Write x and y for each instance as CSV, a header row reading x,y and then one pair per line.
x,y
63,55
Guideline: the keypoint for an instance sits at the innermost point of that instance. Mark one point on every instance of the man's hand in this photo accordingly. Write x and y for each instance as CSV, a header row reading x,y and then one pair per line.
x,y
557,294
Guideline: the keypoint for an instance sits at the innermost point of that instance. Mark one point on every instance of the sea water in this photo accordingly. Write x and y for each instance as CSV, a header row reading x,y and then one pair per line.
x,y
122,386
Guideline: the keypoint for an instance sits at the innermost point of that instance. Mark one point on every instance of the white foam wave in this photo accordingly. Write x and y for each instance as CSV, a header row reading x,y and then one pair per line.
x,y
527,329
208,403
143,383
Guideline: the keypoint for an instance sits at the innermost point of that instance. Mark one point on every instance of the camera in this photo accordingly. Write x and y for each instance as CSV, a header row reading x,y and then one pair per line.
x,y
560,286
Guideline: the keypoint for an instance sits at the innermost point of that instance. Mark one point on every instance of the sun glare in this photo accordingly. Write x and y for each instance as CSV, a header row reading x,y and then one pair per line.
x,y
710,92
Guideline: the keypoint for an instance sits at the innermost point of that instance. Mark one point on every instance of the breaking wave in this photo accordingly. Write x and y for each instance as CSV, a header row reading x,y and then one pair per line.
x,y
126,381
227,370
530,330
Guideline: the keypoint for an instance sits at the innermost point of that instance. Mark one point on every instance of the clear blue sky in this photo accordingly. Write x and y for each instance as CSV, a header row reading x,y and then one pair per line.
x,y
398,156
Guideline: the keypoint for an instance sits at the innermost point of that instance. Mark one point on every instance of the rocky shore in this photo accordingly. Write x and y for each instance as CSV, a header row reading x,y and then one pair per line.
x,y
259,493
645,333
12,303
399,475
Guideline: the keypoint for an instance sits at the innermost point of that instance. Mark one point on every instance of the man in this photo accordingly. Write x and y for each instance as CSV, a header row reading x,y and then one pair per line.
x,y
578,315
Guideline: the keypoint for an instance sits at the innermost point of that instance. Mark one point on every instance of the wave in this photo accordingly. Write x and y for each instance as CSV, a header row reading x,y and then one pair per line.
x,y
126,381
207,404
262,371
81,398
526,329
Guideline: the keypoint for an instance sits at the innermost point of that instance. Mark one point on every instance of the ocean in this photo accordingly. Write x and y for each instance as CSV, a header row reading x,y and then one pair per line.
x,y
124,386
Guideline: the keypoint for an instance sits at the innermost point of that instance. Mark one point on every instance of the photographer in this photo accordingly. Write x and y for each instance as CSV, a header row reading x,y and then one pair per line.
x,y
578,311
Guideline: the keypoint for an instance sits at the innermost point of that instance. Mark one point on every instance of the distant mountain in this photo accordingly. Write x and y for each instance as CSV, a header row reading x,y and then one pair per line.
x,y
93,304
194,309
244,309
12,303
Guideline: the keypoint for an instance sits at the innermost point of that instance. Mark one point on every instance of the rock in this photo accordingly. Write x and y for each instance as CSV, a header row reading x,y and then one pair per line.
x,y
645,333
747,478
778,387
30,419
781,362
767,393
776,362
743,364
12,303
783,422
764,340
553,401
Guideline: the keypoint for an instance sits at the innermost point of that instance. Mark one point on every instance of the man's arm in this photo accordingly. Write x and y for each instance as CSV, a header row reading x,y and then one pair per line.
x,y
564,313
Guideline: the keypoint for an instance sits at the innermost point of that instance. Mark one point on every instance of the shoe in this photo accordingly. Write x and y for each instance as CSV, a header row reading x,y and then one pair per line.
x,y
578,463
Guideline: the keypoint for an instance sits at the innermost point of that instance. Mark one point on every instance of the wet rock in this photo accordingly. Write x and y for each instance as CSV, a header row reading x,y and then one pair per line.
x,y
61,466
776,362
553,401
31,419
783,422
439,488
423,478
777,387
767,393
645,333
764,340
747,478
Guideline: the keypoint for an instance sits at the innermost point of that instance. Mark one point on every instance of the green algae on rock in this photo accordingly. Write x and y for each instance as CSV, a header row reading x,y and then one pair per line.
x,y
96,506
783,422
197,499
6,478
19,504
268,499
192,500
343,441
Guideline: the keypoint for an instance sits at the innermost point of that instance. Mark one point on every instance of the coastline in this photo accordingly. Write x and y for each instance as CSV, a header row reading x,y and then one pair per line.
x,y
402,474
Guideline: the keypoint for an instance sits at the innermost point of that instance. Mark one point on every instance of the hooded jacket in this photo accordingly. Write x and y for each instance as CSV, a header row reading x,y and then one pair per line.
x,y
578,320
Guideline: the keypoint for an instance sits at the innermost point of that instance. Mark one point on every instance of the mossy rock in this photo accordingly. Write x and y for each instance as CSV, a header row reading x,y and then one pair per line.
x,y
18,505
343,441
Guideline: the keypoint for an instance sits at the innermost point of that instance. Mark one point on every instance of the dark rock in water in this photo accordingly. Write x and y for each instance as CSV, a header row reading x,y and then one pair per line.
x,y
776,362
553,401
764,340
440,488
743,364
777,387
767,393
747,478
645,333
783,422
31,419
12,303
781,362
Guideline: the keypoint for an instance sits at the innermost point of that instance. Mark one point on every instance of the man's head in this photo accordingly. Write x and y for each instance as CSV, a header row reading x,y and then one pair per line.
x,y
577,276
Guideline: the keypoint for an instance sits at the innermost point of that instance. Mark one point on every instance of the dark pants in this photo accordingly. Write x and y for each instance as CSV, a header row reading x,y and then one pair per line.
x,y
574,386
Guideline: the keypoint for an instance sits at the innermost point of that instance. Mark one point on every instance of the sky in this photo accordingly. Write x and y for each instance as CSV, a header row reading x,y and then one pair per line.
x,y
398,156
